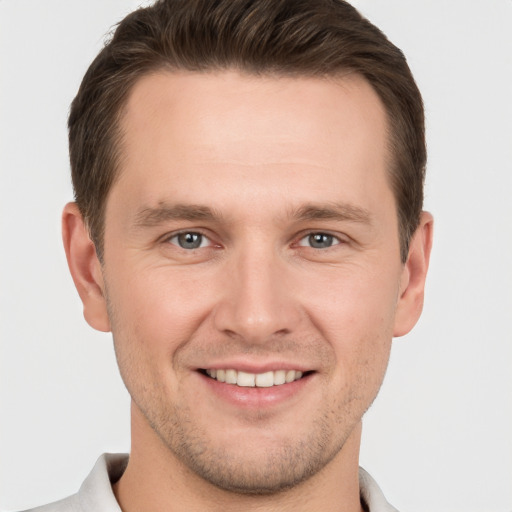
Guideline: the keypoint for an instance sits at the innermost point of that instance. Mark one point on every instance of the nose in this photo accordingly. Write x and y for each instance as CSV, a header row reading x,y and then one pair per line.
x,y
257,302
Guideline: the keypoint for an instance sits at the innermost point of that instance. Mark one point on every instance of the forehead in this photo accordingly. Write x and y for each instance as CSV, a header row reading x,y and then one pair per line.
x,y
292,136
226,103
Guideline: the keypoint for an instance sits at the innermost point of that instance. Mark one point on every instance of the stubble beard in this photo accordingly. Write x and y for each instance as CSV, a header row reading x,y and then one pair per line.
x,y
247,469
238,469
269,468
241,470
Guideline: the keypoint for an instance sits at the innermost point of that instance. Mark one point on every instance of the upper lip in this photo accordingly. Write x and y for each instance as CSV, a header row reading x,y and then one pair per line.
x,y
253,367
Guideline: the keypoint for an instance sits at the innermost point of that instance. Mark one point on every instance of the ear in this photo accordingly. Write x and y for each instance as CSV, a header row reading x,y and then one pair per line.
x,y
414,273
85,268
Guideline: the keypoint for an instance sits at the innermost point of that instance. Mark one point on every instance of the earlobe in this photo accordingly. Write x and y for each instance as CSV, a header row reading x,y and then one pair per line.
x,y
414,273
85,268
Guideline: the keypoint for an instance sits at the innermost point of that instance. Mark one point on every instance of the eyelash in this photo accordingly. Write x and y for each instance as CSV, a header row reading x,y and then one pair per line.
x,y
333,239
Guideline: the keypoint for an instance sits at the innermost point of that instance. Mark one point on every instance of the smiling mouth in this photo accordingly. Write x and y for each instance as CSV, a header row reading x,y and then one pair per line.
x,y
255,380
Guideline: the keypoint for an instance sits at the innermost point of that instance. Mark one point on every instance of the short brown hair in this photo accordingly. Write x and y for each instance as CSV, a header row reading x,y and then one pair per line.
x,y
284,37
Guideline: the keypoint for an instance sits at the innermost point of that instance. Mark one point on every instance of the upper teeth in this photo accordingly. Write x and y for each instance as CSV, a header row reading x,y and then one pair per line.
x,y
251,380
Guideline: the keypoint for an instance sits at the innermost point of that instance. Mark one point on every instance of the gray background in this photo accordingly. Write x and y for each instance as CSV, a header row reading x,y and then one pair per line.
x,y
439,436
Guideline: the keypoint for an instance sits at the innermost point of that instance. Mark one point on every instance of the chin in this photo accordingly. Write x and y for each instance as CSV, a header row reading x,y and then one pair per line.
x,y
265,475
252,464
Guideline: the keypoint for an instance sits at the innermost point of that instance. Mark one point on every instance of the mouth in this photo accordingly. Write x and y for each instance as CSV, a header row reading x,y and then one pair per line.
x,y
254,380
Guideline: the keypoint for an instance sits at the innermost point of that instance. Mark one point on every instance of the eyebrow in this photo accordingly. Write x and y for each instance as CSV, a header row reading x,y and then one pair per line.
x,y
333,211
154,216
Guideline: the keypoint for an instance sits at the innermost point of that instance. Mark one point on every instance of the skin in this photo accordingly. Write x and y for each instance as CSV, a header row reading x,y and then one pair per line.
x,y
254,166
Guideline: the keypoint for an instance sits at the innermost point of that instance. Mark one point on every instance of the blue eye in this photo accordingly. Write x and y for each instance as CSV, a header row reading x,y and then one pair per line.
x,y
189,240
319,241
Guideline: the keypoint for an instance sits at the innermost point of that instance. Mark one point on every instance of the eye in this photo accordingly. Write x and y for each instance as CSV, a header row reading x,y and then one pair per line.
x,y
189,240
319,241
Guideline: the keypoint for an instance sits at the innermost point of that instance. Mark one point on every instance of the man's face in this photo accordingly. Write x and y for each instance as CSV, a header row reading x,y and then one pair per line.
x,y
252,236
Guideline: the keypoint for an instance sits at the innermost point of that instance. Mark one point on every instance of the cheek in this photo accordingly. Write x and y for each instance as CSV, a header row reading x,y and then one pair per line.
x,y
354,300
159,308
355,313
152,315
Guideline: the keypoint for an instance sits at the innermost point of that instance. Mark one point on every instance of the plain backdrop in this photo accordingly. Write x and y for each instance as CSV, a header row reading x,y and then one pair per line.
x,y
439,437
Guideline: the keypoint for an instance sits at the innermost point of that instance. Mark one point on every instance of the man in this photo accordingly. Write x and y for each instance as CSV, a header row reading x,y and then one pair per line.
x,y
248,180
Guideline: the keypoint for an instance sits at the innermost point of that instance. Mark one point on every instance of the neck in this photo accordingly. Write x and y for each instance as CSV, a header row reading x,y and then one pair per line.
x,y
156,480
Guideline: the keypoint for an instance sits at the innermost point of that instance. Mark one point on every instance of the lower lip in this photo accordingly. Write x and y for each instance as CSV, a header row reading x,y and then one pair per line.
x,y
254,397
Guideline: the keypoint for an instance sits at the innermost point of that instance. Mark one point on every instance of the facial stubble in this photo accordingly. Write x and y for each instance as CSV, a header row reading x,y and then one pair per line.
x,y
286,463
